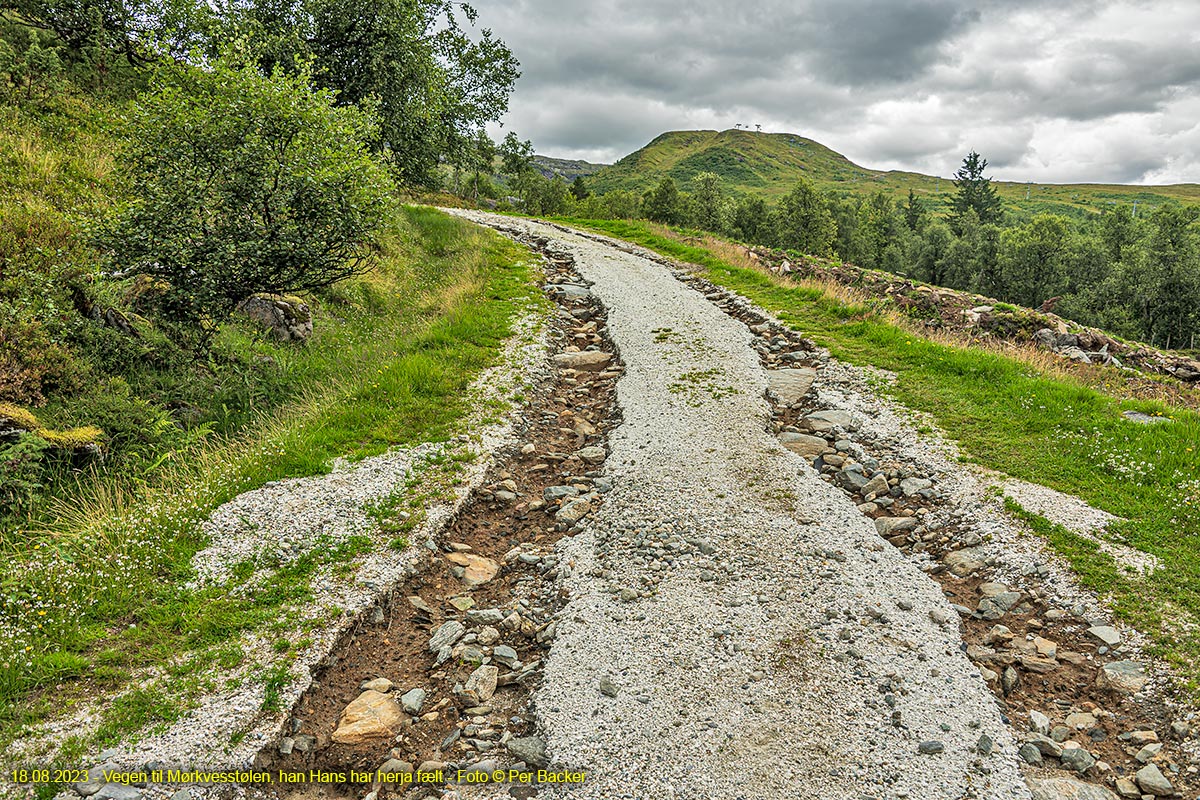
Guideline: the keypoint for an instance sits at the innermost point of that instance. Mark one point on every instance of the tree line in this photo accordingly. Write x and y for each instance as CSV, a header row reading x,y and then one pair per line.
x,y
1136,277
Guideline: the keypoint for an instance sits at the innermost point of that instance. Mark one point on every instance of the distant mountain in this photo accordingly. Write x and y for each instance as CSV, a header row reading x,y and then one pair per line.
x,y
565,168
769,164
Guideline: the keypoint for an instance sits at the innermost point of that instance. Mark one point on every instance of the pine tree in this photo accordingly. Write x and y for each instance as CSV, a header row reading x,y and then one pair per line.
x,y
975,192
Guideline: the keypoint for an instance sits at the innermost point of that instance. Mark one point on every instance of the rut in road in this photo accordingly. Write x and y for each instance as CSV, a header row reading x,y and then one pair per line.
x,y
753,635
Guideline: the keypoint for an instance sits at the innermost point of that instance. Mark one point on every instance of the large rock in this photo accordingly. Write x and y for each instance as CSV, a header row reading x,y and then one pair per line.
x,y
804,444
447,635
574,511
790,385
413,701
483,682
910,486
288,319
890,526
1152,781
371,715
587,361
530,749
1109,635
592,455
1064,788
826,420
964,562
878,485
1122,676
477,570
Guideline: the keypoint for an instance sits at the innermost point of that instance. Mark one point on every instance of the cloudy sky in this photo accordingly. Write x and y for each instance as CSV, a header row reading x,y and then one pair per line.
x,y
1046,90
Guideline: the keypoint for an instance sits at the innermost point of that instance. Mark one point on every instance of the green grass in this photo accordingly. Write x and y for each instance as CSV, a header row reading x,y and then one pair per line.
x,y
94,589
769,164
1008,415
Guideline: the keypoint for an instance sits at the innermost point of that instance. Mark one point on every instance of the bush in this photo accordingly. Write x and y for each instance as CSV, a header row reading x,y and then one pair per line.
x,y
21,464
244,184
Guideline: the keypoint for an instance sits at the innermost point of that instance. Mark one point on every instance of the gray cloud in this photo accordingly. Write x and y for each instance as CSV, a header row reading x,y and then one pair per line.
x,y
1103,90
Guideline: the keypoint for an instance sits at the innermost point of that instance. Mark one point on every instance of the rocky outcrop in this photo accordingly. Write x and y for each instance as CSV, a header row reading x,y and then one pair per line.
x,y
287,319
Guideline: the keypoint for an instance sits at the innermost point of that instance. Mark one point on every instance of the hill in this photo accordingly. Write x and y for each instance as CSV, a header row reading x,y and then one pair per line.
x,y
770,163
565,168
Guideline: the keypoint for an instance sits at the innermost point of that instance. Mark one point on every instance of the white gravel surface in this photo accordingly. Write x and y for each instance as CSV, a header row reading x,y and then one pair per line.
x,y
1078,517
770,666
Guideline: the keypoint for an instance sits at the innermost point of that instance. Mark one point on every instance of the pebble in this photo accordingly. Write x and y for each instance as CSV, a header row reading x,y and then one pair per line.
x,y
413,701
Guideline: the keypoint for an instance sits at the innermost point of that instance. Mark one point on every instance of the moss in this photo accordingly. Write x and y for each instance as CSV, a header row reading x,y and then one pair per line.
x,y
19,417
70,439
73,438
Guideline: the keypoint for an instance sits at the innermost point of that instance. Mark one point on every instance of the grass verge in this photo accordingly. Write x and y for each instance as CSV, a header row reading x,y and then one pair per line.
x,y
94,590
1028,420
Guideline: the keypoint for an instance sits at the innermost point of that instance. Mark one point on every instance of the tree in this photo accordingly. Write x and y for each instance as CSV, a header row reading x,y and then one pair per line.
x,y
436,85
879,227
516,161
579,188
975,192
1119,231
1033,260
661,204
750,220
933,252
708,201
914,212
482,156
803,221
1171,295
245,183
548,196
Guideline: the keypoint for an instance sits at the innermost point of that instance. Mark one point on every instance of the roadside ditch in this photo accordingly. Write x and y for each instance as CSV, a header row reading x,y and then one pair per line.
x,y
439,674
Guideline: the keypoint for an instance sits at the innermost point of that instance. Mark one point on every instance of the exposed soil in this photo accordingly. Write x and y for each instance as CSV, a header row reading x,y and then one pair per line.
x,y
575,409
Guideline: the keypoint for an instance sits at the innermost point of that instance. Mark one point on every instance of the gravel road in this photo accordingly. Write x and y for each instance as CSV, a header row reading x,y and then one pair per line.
x,y
737,629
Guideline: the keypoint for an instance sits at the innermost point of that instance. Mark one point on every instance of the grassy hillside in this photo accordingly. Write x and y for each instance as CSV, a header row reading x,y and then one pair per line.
x,y
96,544
769,163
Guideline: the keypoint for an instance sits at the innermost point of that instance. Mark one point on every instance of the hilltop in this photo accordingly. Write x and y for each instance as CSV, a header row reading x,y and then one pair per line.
x,y
769,164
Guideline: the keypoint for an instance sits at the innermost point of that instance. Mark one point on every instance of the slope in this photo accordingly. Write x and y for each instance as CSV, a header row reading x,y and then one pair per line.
x,y
770,163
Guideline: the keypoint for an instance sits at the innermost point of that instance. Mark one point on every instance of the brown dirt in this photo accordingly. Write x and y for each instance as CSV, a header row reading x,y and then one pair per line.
x,y
573,410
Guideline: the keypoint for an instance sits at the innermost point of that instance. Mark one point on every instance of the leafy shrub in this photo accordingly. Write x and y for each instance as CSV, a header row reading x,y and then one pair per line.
x,y
21,465
246,184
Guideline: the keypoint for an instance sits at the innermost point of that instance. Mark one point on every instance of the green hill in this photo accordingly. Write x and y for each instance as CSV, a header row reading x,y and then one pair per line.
x,y
769,164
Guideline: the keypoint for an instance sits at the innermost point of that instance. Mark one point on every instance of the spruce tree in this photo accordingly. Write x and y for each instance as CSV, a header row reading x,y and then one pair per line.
x,y
975,192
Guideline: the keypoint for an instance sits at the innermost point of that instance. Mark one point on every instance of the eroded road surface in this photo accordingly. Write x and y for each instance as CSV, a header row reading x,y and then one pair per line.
x,y
736,628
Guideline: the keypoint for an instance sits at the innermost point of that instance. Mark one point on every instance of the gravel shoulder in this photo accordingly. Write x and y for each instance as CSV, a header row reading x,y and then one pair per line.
x,y
755,629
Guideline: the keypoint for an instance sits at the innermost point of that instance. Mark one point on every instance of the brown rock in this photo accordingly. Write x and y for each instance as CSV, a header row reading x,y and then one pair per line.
x,y
588,361
371,715
477,570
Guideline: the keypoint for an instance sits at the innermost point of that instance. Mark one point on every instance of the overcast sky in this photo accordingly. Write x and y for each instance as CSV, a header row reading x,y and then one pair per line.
x,y
1046,90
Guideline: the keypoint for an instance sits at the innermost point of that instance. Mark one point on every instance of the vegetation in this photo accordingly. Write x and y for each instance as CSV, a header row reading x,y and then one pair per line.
x,y
390,369
158,164
768,164
1030,422
243,183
